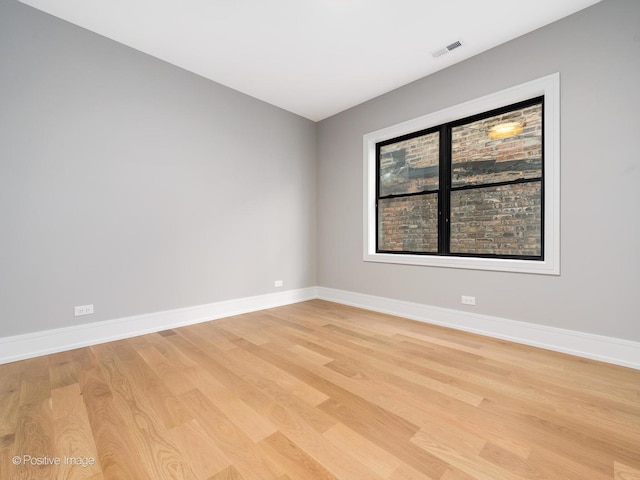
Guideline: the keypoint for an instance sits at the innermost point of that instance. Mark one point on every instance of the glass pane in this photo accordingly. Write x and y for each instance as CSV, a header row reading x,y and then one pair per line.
x,y
492,150
503,220
410,166
408,224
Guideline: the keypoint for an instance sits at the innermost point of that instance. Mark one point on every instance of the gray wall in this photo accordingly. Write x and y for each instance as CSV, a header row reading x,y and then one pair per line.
x,y
136,186
597,52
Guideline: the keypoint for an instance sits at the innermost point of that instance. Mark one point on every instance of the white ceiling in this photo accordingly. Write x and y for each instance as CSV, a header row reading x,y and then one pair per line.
x,y
314,58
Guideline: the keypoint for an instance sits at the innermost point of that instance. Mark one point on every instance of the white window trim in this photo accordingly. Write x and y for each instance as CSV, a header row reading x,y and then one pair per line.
x,y
548,86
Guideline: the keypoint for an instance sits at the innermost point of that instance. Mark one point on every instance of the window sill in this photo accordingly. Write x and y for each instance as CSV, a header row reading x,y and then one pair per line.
x,y
545,267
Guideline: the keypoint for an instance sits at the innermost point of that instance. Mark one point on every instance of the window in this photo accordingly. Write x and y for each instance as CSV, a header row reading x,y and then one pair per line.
x,y
474,186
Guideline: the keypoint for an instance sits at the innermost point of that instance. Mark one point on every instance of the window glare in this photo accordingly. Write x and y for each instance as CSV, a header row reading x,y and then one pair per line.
x,y
479,159
409,166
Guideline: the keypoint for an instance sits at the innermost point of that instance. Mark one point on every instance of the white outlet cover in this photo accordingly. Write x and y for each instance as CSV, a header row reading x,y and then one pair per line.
x,y
82,310
467,300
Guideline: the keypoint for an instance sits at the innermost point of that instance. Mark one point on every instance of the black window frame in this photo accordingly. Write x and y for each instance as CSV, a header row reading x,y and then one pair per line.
x,y
445,187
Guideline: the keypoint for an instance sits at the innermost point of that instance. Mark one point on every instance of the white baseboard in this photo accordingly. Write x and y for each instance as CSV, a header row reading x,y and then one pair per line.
x,y
20,347
596,347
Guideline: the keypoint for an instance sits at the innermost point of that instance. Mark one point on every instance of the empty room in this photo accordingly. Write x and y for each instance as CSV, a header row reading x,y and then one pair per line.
x,y
321,239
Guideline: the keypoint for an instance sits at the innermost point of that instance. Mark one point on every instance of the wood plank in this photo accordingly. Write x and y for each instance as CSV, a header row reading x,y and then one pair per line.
x,y
405,472
393,441
310,355
293,459
156,449
9,404
376,458
477,468
553,463
11,376
200,450
174,376
421,406
163,402
563,436
235,444
34,439
229,473
624,472
7,468
365,358
116,448
233,406
63,370
73,438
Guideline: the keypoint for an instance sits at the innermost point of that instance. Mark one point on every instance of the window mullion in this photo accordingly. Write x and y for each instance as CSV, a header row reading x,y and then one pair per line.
x,y
444,204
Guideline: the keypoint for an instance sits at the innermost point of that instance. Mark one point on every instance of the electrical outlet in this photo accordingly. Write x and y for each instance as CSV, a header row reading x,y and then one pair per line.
x,y
468,300
278,283
82,310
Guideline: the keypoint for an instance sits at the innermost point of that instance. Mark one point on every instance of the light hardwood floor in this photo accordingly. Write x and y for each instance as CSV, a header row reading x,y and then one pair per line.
x,y
318,391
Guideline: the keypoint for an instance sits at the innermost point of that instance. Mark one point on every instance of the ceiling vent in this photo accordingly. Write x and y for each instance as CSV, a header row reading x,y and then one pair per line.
x,y
447,49
439,53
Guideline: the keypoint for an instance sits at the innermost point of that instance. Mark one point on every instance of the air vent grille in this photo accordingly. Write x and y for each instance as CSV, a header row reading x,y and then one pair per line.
x,y
447,49
440,52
